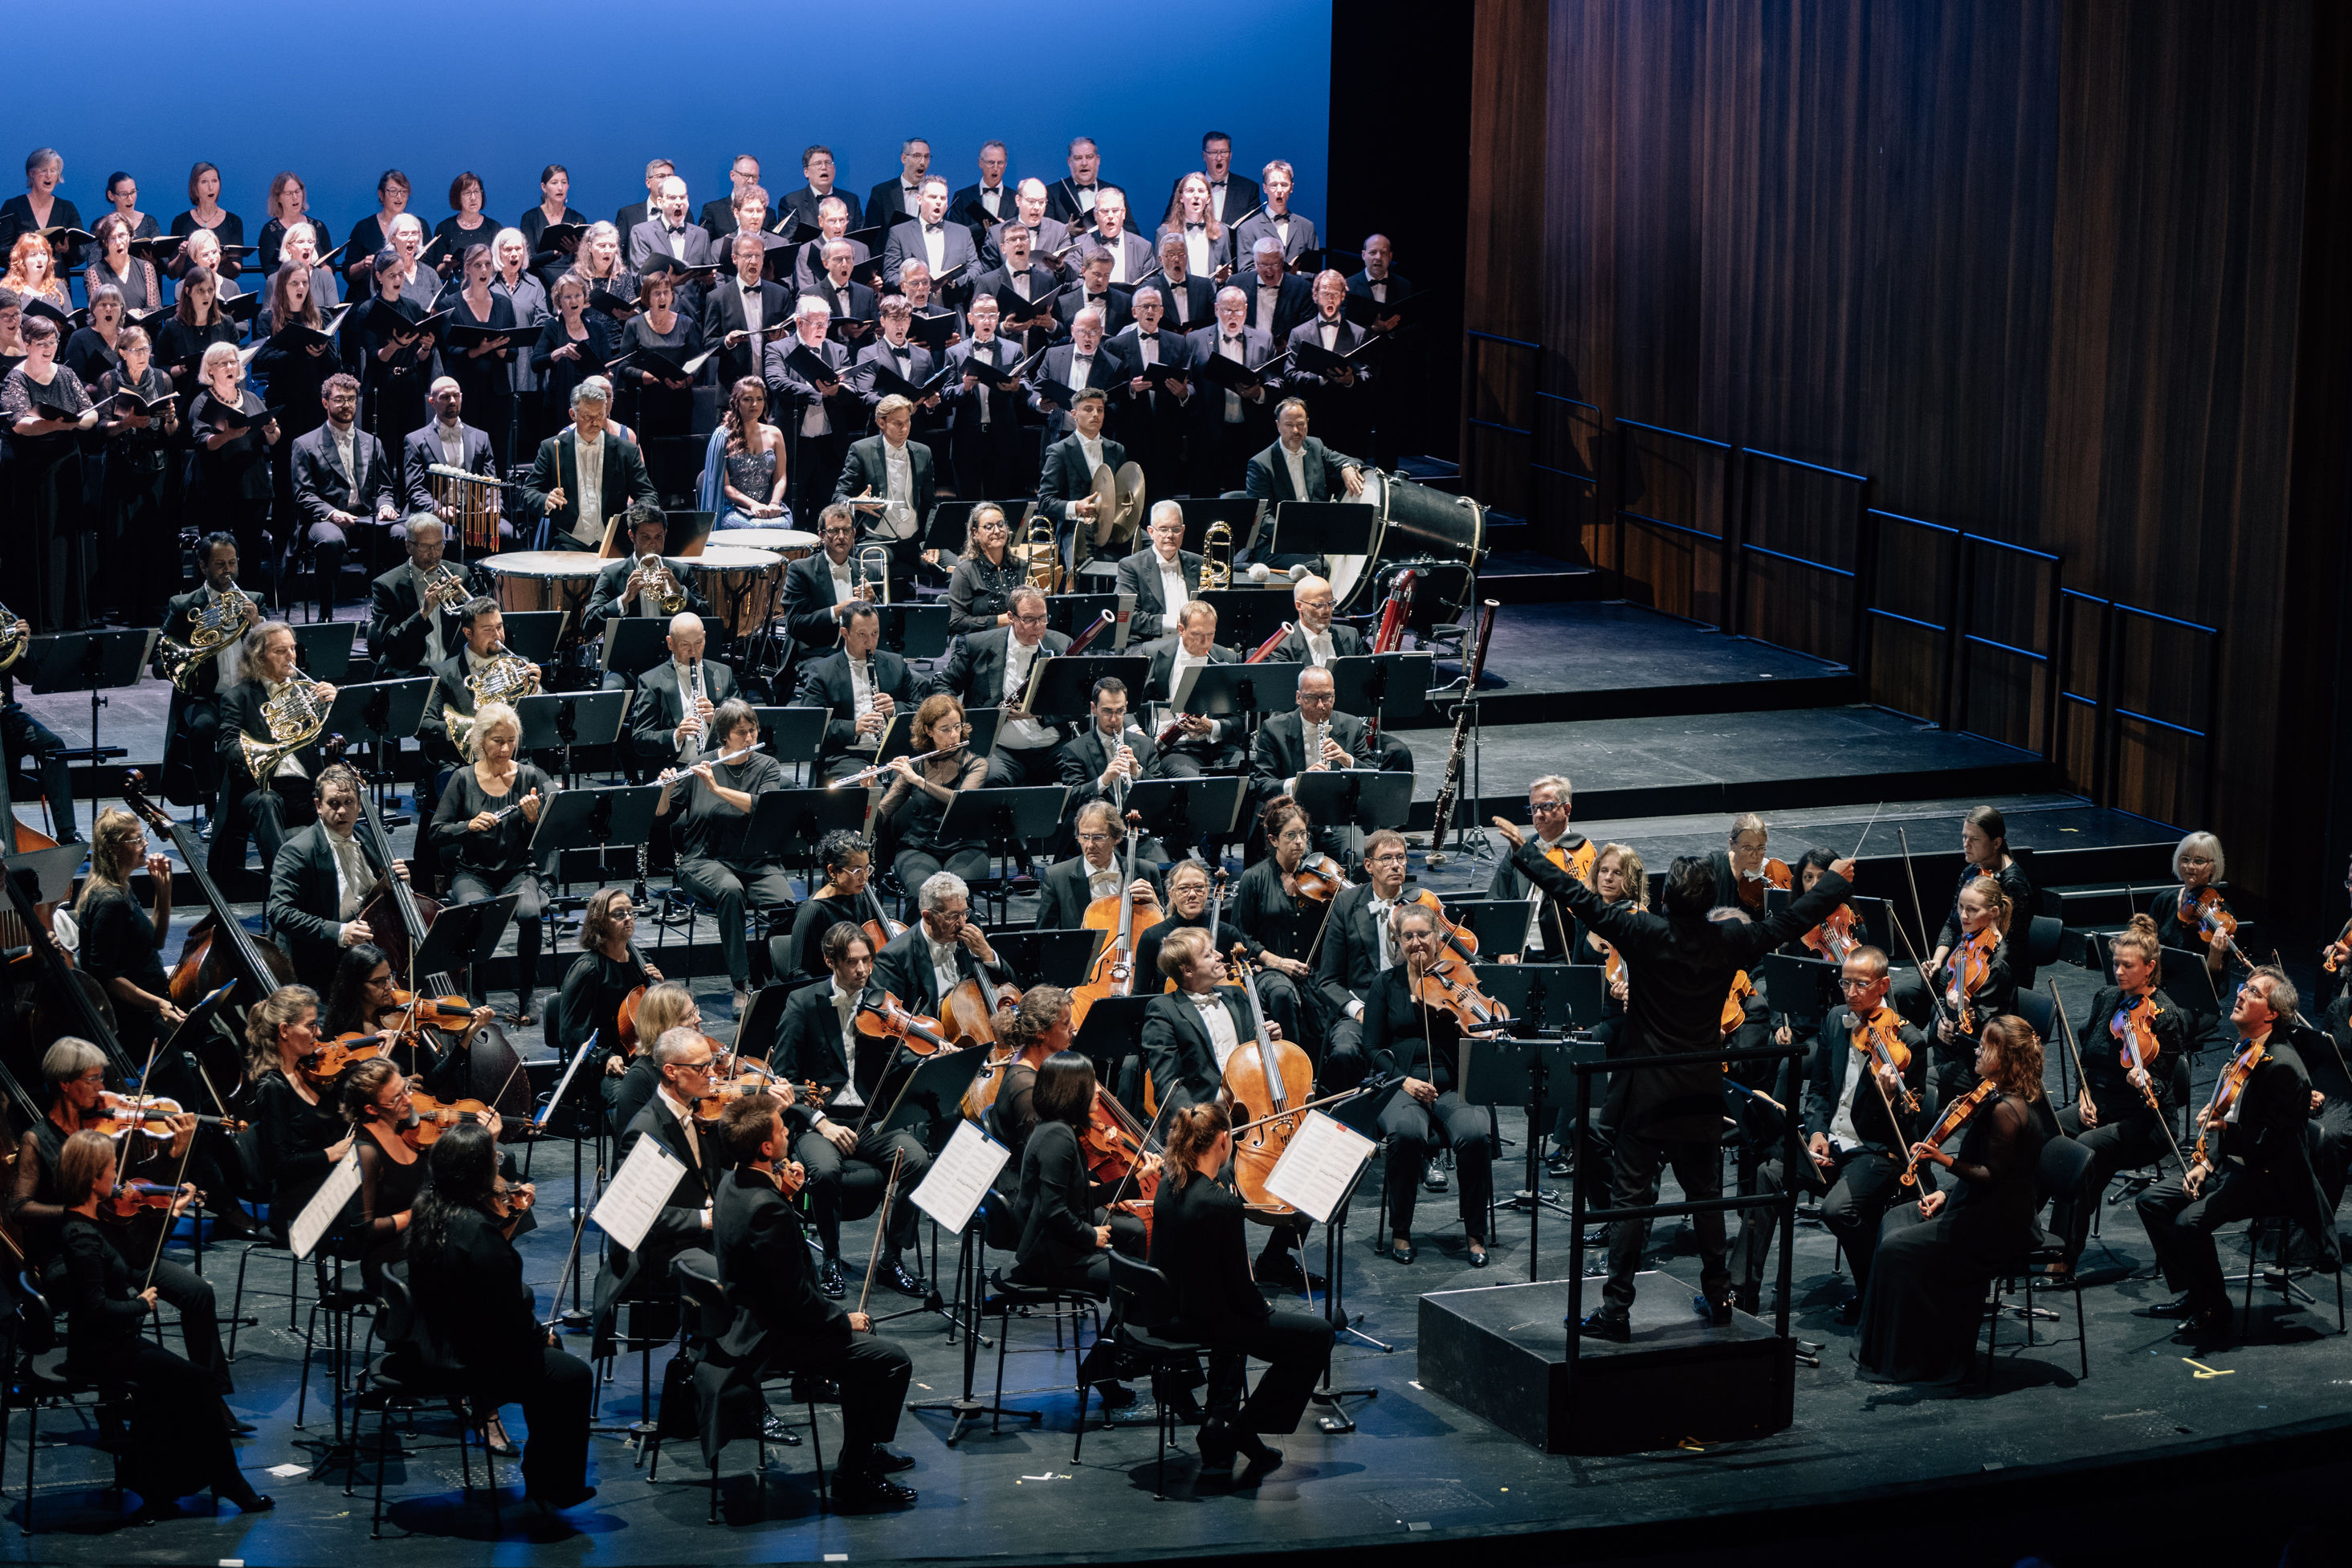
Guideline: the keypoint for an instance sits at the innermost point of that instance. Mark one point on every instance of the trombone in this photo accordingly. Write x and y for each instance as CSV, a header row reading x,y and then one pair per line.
x,y
1217,556
870,568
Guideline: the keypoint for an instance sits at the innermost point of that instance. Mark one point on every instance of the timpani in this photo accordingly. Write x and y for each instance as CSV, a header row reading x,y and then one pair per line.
x,y
789,543
739,583
543,578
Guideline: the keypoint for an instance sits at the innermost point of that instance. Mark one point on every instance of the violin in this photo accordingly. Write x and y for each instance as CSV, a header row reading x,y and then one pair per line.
x,y
2331,963
146,1113
332,1059
1735,1004
429,1118
1577,865
1613,963
2228,1089
1956,1117
887,1019
450,1014
1972,965
1879,1037
1319,878
709,1107
1448,986
1458,936
1773,873
1834,938
2207,913
1112,1144
130,1198
2133,1027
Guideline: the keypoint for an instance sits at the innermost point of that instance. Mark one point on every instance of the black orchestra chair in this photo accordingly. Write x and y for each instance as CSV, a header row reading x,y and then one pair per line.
x,y
344,1305
415,1373
2064,1160
1143,1302
729,1401
1003,1299
40,1380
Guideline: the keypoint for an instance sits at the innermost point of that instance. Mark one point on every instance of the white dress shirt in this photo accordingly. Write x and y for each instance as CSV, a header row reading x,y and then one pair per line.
x,y
346,452
589,525
434,651
844,1008
944,972
992,200
1173,589
861,687
1319,648
1377,908
1118,248
352,879
1229,346
1217,199
935,247
1223,1040
842,591
1536,898
1102,882
1297,463
1196,246
685,1114
452,438
1079,365
754,308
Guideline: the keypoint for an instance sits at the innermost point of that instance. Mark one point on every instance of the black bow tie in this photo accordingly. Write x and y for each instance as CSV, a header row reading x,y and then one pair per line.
x,y
1097,298
931,228
1232,336
676,230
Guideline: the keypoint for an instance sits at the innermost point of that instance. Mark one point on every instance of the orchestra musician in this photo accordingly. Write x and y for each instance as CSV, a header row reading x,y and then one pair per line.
x,y
1983,913
992,669
683,1226
1404,1036
2110,1115
364,1000
136,533
1066,1233
1984,845
482,829
192,753
719,787
632,1076
301,1134
1272,912
1551,800
820,585
915,805
481,632
1741,870
979,588
608,968
891,469
1198,1242
1679,968
2198,863
373,1097
784,1321
575,504
670,716
121,943
249,808
321,878
1925,1307
1188,1033
1101,760
1065,485
848,862
1314,639
1359,945
942,949
1206,745
345,482
1188,909
1162,576
1039,1027
818,1042
1313,738
2249,1160
862,687
1093,873
414,610
625,587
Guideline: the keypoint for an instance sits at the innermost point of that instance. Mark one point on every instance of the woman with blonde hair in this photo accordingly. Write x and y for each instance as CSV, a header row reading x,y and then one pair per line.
x,y
297,1122
121,945
482,831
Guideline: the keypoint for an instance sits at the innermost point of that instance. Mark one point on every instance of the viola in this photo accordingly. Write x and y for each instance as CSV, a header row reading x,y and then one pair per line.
x,y
449,1013
1613,963
1734,1003
887,1019
2208,913
1112,1144
429,1118
1834,938
2331,963
710,1106
1459,938
1879,1037
332,1059
147,1113
2228,1089
2134,1029
1771,873
130,1198
1319,878
1577,865
1448,986
1113,974
1970,966
1956,1117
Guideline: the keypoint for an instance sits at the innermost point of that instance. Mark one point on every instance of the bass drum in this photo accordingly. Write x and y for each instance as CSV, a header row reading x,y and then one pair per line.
x,y
1410,522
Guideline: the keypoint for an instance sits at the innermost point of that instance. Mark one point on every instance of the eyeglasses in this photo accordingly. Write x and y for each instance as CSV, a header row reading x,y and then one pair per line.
x,y
1543,806
1846,985
1029,620
1389,857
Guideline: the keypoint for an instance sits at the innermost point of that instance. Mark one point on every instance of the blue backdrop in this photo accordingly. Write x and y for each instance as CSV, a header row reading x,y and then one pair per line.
x,y
339,93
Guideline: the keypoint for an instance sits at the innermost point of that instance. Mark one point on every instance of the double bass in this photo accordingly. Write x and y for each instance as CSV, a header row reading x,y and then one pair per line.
x,y
219,948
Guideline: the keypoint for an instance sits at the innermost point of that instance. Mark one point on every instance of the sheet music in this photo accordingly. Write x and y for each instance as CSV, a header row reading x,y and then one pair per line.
x,y
960,1175
317,1214
634,1200
565,1081
1320,1164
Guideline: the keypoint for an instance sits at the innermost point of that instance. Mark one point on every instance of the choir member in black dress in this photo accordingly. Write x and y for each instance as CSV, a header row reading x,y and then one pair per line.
x,y
136,543
916,802
32,274
783,1322
90,353
178,1438
196,323
205,212
1925,1307
289,207
302,1133
467,1280
41,207
1406,1039
229,473
752,478
664,399
46,409
1200,1241
373,1099
714,799
2110,1115
554,208
608,968
121,945
114,265
482,829
600,266
513,281
466,227
572,346
980,592
373,233
395,353
484,368
848,860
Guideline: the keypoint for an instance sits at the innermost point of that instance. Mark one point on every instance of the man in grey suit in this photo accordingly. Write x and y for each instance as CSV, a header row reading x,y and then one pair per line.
x,y
930,237
671,232
1294,234
342,482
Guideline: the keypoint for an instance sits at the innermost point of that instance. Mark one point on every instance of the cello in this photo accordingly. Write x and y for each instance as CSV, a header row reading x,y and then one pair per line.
x,y
1269,1080
1113,974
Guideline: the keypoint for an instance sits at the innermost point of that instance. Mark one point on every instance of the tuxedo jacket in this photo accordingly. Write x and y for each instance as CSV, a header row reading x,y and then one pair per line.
x,y
1834,1060
1350,959
765,1268
1293,303
825,683
321,485
967,207
651,237
1172,351
1116,309
240,714
808,1044
659,706
1066,476
1133,246
809,276
604,597
863,467
1200,302
449,691
1158,683
1360,282
885,206
802,205
1347,643
1208,400
789,396
904,969
963,407
877,353
179,621
1268,475
676,1229
1085,754
1062,200
1139,574
1281,751
558,465
808,601
306,899
398,627
974,672
722,312
907,240
1351,336
422,448
1063,894
1109,372
1260,226
1221,247
1177,1051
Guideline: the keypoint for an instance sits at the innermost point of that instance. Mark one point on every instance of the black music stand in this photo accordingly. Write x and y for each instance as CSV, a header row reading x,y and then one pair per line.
x,y
571,718
464,935
1499,924
950,524
1389,687
1498,1072
795,735
1050,957
1248,616
1003,817
1182,811
1321,528
374,712
533,633
1239,691
1240,515
1066,688
915,632
1805,990
788,824
92,662
1546,999
1363,797
322,649
635,644
1071,613
577,818
1114,1029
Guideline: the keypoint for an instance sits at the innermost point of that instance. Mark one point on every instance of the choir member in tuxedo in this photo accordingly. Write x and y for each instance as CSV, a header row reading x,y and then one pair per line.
x,y
671,328
1207,745
752,476
1153,421
1232,196
861,687
718,213
1162,575
916,803
484,368
250,808
1377,282
1065,485
1228,424
820,587
229,473
626,221
982,205
135,535
204,212
320,880
1314,639
683,1057
41,207
113,263
1359,945
1023,289
1072,199
1097,871
1189,298
890,467
818,1042
1131,252
1279,301
554,208
713,798
895,201
576,509
1049,242
451,442
344,485
926,301
891,346
1080,364
572,346
374,233
834,218
395,353
1337,400
1312,738
817,418
783,1322
413,623
1094,293
467,226
928,234
671,233
990,669
48,410
738,308
983,405
1403,1037
848,299
1294,234
817,176
1206,242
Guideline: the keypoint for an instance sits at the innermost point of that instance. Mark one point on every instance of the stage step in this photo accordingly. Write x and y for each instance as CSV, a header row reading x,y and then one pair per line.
x,y
1517,577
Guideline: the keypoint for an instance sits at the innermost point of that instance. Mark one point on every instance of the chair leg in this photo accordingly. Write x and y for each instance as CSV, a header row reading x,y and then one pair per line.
x,y
309,1338
1004,1337
2254,1266
2081,1334
383,1459
1992,1332
816,1447
32,1445
237,1301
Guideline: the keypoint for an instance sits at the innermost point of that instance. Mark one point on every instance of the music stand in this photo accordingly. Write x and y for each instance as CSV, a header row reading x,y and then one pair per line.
x,y
374,712
1363,797
1248,616
1499,924
1389,687
1064,685
795,735
53,870
322,649
1517,1073
1050,957
570,718
1322,527
464,935
1200,511
633,644
922,1099
914,630
1071,613
92,662
1239,691
1803,988
1180,811
1113,1030
1003,816
788,824
533,633
576,819
1547,999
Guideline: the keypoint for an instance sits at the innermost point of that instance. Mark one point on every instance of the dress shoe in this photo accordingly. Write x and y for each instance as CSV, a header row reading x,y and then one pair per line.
x,y
773,1431
1217,1447
1262,1461
887,1463
231,1223
1479,1259
1596,1235
238,1426
2178,1307
557,1503
1115,1396
494,1438
1716,1313
897,1276
2210,1331
1606,1325
1849,1313
1284,1269
830,1280
868,1493
248,1501
1433,1179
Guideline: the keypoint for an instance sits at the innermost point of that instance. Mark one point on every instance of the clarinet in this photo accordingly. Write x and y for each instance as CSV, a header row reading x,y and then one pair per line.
x,y
1452,781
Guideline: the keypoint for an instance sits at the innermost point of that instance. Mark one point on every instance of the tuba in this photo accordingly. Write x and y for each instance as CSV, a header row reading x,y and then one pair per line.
x,y
1217,556
16,634
501,679
228,617
668,593
294,721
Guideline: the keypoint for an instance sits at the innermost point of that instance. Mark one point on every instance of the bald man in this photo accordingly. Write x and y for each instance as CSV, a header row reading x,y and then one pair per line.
x,y
670,719
447,440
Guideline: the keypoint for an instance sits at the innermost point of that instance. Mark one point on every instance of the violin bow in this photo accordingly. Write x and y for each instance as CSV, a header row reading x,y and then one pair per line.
x,y
1139,1142
2066,1028
1934,1000
1918,910
163,1235
1865,833
881,1223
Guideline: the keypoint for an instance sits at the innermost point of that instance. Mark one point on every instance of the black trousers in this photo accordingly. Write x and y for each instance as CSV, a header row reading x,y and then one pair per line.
x,y
331,546
468,885
176,1283
1414,1131
915,867
730,889
872,1373
22,737
1867,1183
1295,1346
2114,1147
2180,1229
824,1165
262,815
1025,767
137,548
176,1442
1636,1160
555,1399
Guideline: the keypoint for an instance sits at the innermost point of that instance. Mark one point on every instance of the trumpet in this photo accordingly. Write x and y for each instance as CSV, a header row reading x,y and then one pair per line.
x,y
1217,556
870,568
444,587
662,586
867,775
